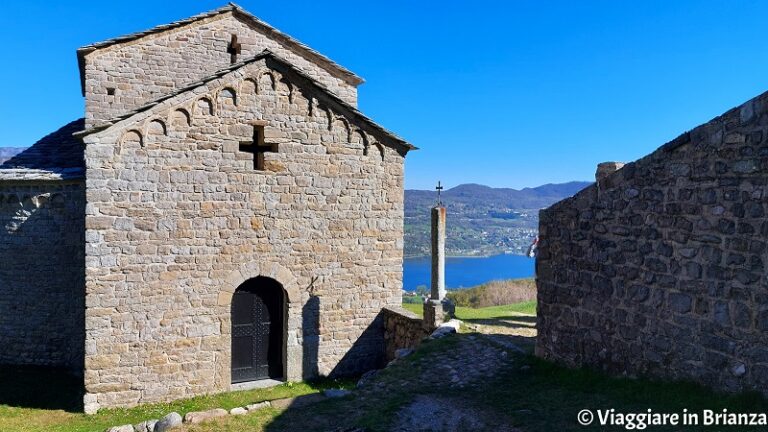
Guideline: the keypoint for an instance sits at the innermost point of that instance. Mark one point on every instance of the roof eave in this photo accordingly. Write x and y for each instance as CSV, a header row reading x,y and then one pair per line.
x,y
403,146
328,64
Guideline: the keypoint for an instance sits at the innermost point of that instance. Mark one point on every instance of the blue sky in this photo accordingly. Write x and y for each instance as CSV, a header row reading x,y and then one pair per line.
x,y
503,93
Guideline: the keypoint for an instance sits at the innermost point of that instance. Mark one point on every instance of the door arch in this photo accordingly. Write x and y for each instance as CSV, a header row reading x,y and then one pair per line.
x,y
258,330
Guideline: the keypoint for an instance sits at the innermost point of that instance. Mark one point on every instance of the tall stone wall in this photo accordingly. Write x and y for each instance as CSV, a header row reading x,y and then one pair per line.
x,y
660,268
178,218
148,68
42,299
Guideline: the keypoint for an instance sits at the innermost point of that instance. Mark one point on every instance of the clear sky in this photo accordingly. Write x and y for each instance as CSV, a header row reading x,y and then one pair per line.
x,y
503,93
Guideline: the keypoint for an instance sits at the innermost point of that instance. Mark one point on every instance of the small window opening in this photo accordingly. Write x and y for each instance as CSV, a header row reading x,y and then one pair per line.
x,y
258,147
110,91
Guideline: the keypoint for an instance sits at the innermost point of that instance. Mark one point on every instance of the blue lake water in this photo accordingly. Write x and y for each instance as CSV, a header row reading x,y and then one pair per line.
x,y
467,272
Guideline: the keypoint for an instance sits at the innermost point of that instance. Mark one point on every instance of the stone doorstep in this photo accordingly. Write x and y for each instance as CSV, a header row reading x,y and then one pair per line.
x,y
259,384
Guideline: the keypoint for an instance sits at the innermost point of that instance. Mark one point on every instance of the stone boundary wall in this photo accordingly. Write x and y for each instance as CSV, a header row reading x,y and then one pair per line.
x,y
402,329
42,268
659,269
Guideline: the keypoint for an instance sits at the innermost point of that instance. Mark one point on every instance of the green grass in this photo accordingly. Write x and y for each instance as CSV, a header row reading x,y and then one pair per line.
x,y
492,312
36,400
548,397
495,312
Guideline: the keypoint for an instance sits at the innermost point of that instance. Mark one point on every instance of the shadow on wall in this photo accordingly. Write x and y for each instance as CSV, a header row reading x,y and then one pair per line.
x,y
40,388
311,336
42,271
368,352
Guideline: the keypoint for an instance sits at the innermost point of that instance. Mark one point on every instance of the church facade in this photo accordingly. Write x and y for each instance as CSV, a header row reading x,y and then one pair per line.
x,y
223,214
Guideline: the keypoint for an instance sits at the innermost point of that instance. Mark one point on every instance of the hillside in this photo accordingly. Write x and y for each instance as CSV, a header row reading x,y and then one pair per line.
x,y
482,220
9,152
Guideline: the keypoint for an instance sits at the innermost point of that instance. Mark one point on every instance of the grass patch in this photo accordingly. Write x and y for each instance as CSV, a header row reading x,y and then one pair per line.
x,y
29,402
495,293
548,397
496,312
492,312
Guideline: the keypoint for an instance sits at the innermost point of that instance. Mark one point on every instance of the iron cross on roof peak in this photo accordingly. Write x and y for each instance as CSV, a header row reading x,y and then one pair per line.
x,y
439,188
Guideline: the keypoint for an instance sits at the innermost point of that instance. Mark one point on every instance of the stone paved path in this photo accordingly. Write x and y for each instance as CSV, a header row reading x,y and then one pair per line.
x,y
437,388
441,387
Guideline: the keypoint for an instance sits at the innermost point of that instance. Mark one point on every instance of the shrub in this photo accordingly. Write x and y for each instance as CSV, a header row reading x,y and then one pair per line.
x,y
495,293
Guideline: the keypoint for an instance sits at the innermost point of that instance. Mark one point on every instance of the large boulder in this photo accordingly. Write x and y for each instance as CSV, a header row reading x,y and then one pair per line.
x,y
168,422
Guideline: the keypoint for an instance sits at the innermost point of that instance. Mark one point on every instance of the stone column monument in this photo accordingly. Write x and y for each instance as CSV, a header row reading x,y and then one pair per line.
x,y
437,305
438,253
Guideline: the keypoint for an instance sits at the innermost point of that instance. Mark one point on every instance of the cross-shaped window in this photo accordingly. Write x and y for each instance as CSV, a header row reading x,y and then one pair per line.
x,y
257,147
233,49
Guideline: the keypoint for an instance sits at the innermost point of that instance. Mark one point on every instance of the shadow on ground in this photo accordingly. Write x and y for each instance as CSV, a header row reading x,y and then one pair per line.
x,y
443,386
41,388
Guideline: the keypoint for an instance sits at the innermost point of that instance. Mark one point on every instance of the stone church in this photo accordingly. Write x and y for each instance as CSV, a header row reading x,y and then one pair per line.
x,y
223,214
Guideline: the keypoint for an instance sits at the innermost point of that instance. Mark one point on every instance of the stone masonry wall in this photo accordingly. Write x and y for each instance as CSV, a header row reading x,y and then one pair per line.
x,y
660,270
143,70
178,217
42,299
402,329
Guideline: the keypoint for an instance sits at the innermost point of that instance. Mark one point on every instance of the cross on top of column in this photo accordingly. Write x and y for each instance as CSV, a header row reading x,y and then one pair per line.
x,y
439,188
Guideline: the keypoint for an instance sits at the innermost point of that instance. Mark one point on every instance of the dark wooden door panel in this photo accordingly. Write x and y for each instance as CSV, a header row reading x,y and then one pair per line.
x,y
257,331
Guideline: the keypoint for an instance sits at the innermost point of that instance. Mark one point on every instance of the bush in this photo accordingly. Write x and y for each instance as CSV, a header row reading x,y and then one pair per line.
x,y
495,293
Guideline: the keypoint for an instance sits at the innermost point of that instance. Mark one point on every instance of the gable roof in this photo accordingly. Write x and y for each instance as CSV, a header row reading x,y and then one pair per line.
x,y
300,48
277,63
57,156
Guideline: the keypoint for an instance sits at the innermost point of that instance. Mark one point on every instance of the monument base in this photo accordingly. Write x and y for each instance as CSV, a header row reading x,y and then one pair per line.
x,y
435,312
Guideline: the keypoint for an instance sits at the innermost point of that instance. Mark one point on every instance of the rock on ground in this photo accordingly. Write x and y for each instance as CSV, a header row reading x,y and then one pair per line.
x,y
123,428
146,426
257,406
168,422
446,328
403,352
196,417
238,411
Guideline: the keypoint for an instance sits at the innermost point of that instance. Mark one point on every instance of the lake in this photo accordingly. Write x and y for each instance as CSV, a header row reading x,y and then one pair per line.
x,y
467,272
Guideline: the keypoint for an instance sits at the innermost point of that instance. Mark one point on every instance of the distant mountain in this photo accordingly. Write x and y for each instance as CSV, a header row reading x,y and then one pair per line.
x,y
482,220
9,152
479,197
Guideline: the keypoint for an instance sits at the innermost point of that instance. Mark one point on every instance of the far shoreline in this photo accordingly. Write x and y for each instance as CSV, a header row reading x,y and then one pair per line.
x,y
464,256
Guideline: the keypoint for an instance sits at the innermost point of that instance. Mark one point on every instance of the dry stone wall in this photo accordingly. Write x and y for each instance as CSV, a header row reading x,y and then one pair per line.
x,y
660,269
42,299
178,217
143,70
402,329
